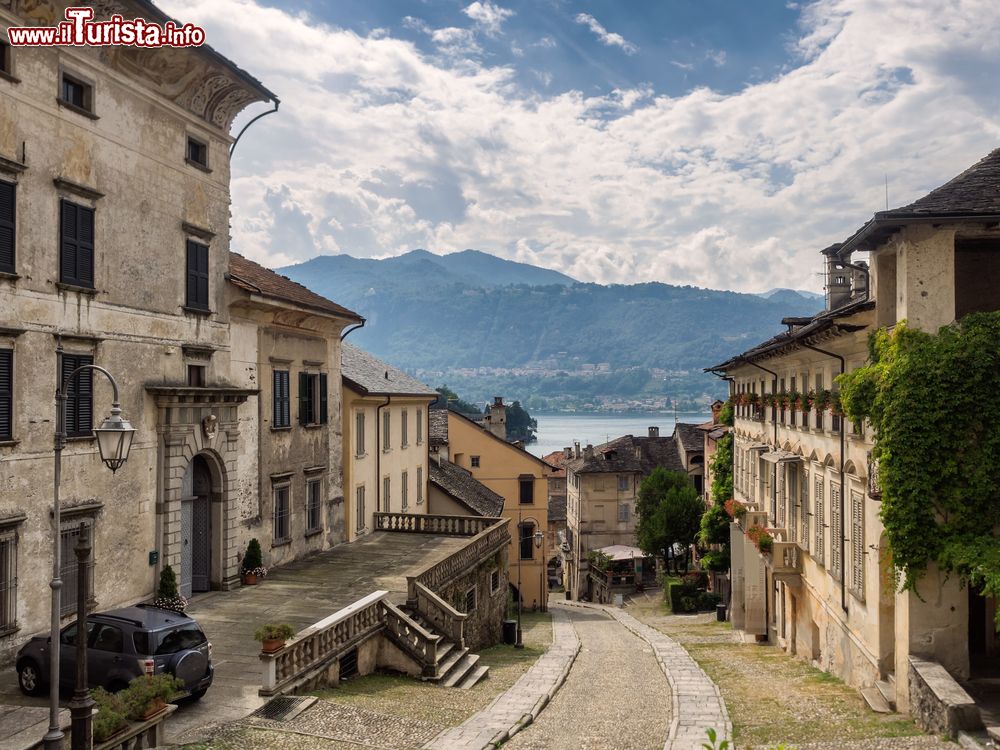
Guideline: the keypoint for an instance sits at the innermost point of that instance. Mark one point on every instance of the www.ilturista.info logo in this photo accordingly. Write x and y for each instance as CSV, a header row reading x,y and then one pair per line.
x,y
78,30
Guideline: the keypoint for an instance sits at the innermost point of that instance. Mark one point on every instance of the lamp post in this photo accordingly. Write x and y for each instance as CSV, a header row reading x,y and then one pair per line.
x,y
114,439
542,598
81,707
518,643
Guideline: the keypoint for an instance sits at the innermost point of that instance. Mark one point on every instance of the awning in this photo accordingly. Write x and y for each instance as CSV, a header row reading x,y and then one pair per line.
x,y
758,447
781,457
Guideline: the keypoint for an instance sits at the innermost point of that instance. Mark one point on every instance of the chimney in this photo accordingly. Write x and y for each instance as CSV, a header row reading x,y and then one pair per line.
x,y
859,281
567,453
838,279
588,452
496,420
576,449
654,432
716,410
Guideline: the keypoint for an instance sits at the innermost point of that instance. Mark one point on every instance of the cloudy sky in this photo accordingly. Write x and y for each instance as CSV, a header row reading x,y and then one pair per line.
x,y
719,143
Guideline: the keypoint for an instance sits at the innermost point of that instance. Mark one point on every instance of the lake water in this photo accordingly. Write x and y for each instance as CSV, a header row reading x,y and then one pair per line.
x,y
556,431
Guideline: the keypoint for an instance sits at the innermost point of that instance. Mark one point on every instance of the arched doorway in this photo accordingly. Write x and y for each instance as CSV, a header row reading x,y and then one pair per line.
x,y
196,527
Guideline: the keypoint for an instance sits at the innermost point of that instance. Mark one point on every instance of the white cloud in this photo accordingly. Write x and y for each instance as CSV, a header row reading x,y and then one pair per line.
x,y
379,148
488,16
546,42
607,38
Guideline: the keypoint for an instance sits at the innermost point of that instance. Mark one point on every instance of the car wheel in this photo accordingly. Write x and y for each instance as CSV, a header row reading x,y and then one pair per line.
x,y
29,678
197,695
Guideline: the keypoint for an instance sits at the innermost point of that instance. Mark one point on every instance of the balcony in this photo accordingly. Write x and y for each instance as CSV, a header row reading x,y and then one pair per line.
x,y
785,562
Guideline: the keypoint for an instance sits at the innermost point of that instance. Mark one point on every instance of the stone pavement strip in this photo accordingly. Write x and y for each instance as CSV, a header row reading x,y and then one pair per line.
x,y
696,700
520,705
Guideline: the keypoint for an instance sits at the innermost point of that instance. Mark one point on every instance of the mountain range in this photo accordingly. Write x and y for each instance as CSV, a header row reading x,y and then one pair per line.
x,y
529,331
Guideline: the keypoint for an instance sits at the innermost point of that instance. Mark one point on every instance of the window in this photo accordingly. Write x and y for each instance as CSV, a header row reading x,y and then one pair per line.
x,y
527,541
359,508
404,489
281,416
312,398
196,376
623,483
76,244
197,152
76,92
624,512
197,276
420,426
8,193
470,600
475,461
359,434
857,545
108,638
819,521
386,445
420,484
8,580
386,502
404,429
836,562
6,399
526,490
6,64
79,395
282,530
494,581
69,537
314,490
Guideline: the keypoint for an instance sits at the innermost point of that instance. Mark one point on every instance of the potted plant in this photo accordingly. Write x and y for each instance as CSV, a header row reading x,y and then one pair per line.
x,y
148,695
821,399
793,400
167,595
272,637
804,402
761,538
835,404
110,717
253,564
735,509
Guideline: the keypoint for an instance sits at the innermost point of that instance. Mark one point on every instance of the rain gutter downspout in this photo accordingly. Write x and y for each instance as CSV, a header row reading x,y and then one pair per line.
x,y
843,493
277,103
378,455
351,329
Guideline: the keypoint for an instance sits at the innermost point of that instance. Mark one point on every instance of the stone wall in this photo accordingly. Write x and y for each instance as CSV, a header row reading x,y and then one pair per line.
x,y
483,625
938,704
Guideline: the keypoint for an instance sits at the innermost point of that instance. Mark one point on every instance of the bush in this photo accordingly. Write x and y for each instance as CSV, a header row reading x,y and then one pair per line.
x,y
145,691
696,579
110,713
167,595
272,632
253,558
707,600
689,595
715,560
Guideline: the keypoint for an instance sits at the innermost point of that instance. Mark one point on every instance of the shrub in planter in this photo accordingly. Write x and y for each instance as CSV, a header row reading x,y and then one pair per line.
x,y
273,636
253,563
147,695
110,718
707,600
167,594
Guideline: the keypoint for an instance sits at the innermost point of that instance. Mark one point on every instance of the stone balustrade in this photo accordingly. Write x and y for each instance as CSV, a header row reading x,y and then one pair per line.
x,y
495,537
321,643
420,644
140,734
420,523
436,610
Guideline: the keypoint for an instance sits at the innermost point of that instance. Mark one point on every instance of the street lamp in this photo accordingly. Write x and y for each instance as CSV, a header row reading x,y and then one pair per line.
x,y
114,439
542,598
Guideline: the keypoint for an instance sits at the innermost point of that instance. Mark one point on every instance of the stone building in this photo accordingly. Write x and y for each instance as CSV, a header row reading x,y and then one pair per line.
x,y
114,243
520,478
603,488
385,455
827,592
286,347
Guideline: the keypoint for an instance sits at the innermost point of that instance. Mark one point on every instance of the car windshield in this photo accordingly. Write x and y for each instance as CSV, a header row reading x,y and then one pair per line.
x,y
177,639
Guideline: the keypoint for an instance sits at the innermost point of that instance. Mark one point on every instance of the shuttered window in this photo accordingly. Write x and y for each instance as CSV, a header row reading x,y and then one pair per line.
x,y
314,489
8,191
8,580
359,508
404,489
197,276
69,568
76,248
857,545
79,395
359,437
804,510
281,416
420,426
819,521
282,512
420,484
836,561
385,502
312,398
6,394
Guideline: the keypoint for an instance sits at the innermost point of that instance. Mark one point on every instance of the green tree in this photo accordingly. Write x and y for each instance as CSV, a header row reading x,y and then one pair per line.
x,y
449,399
520,425
669,510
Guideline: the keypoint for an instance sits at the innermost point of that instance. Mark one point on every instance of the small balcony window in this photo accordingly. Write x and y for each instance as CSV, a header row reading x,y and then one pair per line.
x,y
76,93
197,152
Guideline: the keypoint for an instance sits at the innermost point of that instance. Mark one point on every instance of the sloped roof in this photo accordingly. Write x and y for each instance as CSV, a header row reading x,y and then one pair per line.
x,y
557,508
256,279
619,455
366,374
438,427
692,439
459,484
512,446
556,458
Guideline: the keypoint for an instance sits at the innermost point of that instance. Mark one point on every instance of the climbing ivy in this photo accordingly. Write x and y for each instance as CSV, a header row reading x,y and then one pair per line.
x,y
934,402
722,469
715,521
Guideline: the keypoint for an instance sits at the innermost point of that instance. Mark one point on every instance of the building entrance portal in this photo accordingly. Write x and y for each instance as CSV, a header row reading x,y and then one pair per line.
x,y
196,528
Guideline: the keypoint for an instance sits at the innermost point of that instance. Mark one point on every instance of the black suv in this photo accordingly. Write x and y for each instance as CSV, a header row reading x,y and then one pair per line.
x,y
121,645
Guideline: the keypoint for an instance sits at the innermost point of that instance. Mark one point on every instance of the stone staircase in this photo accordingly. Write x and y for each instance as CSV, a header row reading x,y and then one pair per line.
x,y
456,666
881,697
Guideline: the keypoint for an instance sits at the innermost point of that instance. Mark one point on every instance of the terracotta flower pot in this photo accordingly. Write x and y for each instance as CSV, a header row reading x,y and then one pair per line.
x,y
154,708
249,579
270,645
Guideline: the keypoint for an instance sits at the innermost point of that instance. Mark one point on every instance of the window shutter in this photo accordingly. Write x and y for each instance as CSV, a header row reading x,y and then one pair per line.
x,y
303,396
68,249
79,395
322,398
7,204
85,257
197,275
6,392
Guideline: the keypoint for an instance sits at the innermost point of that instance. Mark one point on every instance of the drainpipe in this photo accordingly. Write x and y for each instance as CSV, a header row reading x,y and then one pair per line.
x,y
351,329
232,148
378,455
843,493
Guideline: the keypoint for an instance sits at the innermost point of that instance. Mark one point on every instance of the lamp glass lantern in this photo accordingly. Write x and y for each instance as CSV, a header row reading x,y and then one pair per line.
x,y
114,439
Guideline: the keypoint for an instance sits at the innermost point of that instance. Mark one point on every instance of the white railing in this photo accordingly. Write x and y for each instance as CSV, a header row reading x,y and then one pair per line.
x,y
413,639
421,523
442,615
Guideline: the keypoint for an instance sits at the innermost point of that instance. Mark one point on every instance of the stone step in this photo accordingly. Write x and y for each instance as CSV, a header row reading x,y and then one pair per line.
x,y
888,691
994,734
473,677
460,670
444,648
446,665
873,697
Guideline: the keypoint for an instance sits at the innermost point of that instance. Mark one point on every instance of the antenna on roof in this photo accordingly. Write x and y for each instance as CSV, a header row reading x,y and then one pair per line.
x,y
887,191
